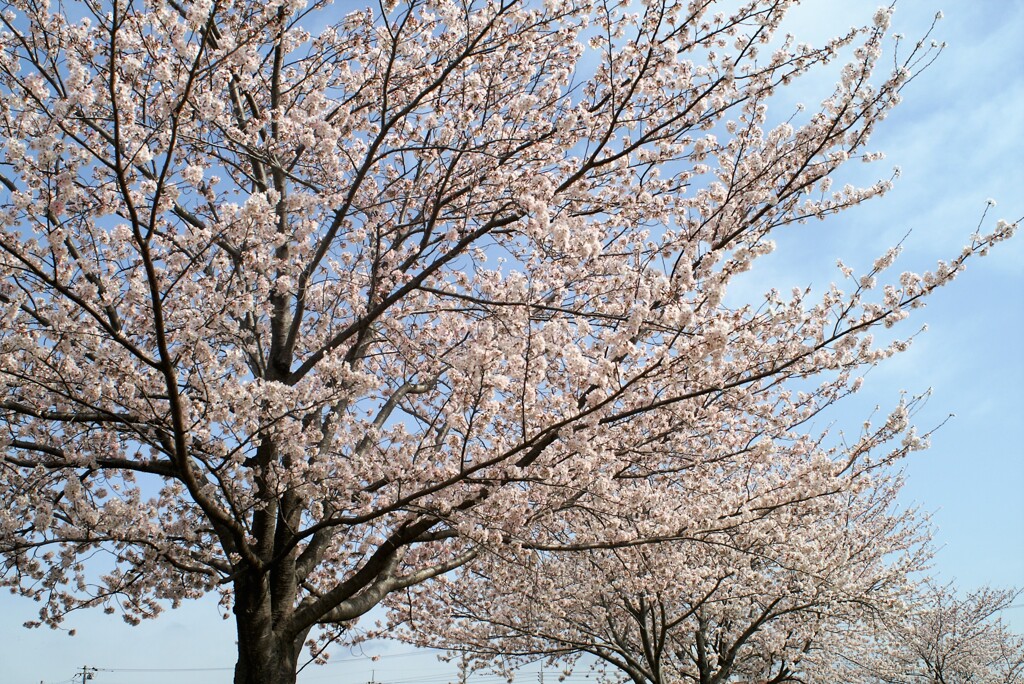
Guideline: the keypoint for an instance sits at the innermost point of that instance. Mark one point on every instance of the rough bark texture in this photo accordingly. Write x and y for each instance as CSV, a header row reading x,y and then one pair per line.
x,y
265,656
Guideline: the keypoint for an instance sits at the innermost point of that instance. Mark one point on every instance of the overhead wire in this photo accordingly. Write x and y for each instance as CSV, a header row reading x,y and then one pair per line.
x,y
331,661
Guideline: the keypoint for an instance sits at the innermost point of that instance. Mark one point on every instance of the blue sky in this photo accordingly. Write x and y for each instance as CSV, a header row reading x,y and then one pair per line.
x,y
959,139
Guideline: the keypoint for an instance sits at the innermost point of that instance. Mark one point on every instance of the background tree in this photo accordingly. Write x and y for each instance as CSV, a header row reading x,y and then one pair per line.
x,y
940,637
307,319
735,602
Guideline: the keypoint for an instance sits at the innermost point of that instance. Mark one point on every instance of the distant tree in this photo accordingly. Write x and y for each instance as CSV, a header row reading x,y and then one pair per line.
x,y
737,601
307,318
823,595
942,637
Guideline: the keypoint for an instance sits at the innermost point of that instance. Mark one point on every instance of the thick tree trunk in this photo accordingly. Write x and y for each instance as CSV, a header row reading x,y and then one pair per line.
x,y
276,664
264,656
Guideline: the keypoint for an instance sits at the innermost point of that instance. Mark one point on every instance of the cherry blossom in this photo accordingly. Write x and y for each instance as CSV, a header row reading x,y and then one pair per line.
x,y
309,308
762,599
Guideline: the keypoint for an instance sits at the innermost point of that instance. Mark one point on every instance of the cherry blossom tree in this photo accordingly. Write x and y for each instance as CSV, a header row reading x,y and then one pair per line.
x,y
309,316
941,637
747,602
827,600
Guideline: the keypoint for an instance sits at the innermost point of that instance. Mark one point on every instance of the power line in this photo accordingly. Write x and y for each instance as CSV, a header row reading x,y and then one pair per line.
x,y
396,678
86,674
333,661
167,669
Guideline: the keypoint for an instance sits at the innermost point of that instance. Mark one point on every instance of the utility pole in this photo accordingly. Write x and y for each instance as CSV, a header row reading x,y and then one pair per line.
x,y
86,674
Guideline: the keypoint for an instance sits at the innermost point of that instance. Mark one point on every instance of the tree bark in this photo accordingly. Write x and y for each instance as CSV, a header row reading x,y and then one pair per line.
x,y
265,656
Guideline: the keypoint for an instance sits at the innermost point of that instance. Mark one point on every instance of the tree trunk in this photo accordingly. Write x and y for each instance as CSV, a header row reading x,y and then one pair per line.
x,y
264,656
